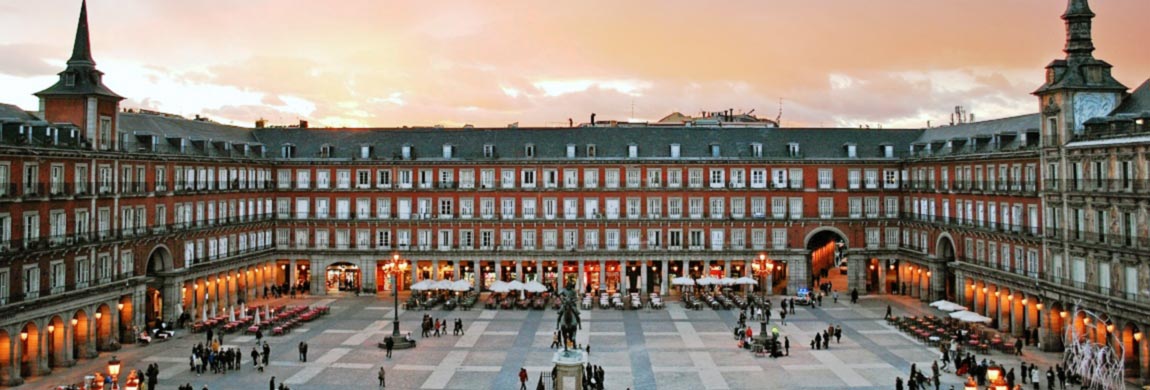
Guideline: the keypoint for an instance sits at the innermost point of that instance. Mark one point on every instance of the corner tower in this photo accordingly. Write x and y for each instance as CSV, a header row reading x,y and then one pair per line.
x,y
1078,87
80,97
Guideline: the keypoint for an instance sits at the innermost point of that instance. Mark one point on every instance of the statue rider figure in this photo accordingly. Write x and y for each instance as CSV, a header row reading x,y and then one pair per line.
x,y
568,322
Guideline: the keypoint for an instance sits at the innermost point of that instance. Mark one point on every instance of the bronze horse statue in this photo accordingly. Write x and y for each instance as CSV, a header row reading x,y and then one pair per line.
x,y
568,322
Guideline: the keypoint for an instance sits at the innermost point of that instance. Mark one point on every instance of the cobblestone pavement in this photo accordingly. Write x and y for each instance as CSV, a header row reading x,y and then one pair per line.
x,y
644,349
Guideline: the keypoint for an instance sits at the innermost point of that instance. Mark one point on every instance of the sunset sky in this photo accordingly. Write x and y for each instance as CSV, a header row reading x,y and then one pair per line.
x,y
895,63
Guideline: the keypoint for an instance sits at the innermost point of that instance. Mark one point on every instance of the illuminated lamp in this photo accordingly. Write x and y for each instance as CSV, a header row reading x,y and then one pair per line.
x,y
24,336
99,314
120,306
1038,305
1137,336
51,328
1062,314
75,321
1110,328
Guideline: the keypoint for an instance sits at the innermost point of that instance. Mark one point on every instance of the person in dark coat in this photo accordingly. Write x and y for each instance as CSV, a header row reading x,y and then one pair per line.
x,y
787,345
272,383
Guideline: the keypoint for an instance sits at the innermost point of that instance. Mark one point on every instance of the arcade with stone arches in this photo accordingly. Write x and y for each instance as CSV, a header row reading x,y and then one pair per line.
x,y
1022,312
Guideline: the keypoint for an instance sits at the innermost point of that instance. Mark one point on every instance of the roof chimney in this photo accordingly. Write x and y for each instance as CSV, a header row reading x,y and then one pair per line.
x,y
261,123
302,124
592,119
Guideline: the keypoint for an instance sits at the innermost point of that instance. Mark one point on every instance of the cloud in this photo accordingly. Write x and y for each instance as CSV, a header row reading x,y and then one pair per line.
x,y
26,60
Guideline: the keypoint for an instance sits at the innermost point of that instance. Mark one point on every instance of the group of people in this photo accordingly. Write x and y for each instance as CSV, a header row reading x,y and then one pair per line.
x,y
214,357
435,327
278,291
823,340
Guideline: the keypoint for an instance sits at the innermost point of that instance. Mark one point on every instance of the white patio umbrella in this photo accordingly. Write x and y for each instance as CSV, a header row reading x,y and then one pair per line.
x,y
257,317
231,314
683,281
515,285
534,287
947,306
726,281
443,285
707,280
204,313
499,287
243,310
461,285
213,311
746,280
421,285
968,316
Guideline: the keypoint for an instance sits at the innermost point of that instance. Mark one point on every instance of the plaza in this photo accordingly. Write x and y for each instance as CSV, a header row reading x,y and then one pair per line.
x,y
673,348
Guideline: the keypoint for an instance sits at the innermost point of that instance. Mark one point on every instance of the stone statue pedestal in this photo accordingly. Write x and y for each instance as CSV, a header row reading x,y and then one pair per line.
x,y
569,367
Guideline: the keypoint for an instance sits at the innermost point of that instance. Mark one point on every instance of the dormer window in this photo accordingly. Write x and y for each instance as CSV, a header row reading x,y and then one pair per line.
x,y
405,152
488,151
888,151
529,150
591,150
715,151
757,150
448,151
570,150
675,151
365,151
793,149
326,151
69,79
852,151
633,151
287,151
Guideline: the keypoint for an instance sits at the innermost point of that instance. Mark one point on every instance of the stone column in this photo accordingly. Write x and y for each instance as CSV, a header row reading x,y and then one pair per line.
x,y
579,283
624,276
561,280
456,272
856,274
90,350
66,357
519,270
663,282
643,290
800,274
435,270
602,270
882,284
291,273
318,285
10,375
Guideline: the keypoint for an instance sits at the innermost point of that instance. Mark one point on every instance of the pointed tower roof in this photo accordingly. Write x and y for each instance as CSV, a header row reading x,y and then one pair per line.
x,y
80,78
82,48
1079,70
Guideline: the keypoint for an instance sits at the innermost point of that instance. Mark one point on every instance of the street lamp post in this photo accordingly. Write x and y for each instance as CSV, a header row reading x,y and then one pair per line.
x,y
763,266
395,270
114,371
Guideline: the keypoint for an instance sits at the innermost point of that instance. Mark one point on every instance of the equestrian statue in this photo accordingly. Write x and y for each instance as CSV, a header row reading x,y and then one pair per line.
x,y
568,322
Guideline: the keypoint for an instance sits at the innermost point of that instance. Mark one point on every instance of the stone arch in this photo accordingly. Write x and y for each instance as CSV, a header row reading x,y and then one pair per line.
x,y
29,350
57,342
944,247
159,260
126,331
1056,320
104,331
1133,348
6,375
81,335
811,235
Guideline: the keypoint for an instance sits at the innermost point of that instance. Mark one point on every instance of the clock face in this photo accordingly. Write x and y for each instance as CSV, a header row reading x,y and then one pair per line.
x,y
1089,105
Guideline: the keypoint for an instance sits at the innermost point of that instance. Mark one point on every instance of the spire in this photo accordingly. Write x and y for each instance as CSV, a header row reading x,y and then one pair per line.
x,y
82,48
1078,24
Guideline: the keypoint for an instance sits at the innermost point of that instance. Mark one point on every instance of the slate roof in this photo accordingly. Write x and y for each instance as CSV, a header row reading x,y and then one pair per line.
x,y
1138,103
1014,124
610,142
16,114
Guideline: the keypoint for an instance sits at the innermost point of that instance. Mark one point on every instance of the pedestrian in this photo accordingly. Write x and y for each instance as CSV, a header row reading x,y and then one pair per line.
x,y
555,340
813,345
835,294
792,304
1025,373
1050,378
272,383
382,377
461,331
787,345
1061,376
389,342
887,316
588,347
838,334
1018,346
522,378
783,316
854,295
1035,378
826,340
898,383
818,340
267,352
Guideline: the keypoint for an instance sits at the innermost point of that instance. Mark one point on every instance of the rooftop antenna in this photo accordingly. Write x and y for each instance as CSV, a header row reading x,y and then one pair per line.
x,y
632,108
779,118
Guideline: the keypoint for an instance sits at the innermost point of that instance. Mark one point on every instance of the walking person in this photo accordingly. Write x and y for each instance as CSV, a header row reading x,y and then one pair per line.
x,y
389,343
382,377
783,315
301,358
522,378
272,383
787,345
267,352
1035,378
838,334
1018,346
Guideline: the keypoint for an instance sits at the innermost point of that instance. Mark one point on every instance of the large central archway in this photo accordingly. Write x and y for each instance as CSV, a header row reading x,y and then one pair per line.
x,y
827,258
159,261
944,251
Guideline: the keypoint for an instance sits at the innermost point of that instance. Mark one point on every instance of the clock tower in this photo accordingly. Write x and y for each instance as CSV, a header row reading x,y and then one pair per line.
x,y
79,97
1078,87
